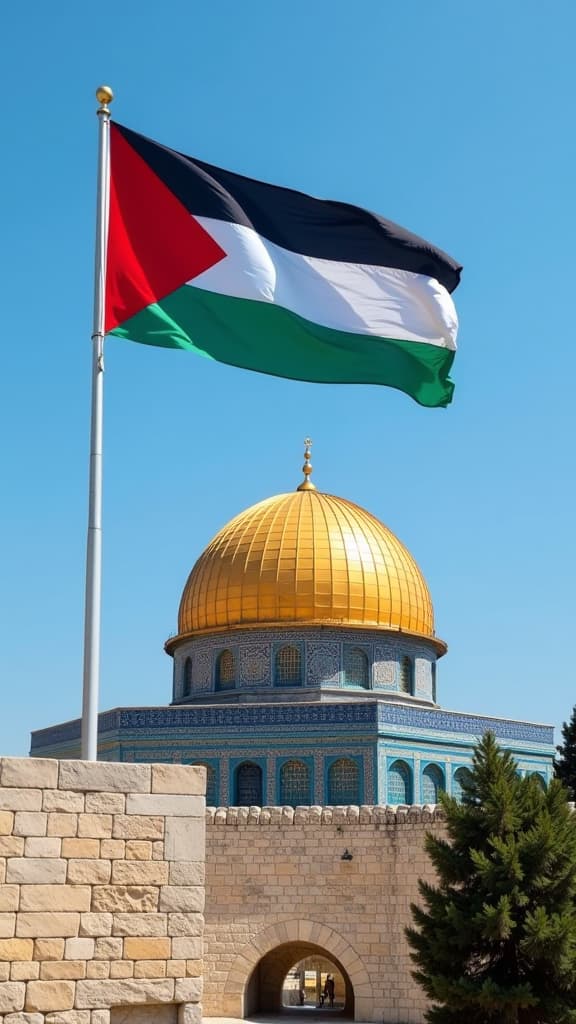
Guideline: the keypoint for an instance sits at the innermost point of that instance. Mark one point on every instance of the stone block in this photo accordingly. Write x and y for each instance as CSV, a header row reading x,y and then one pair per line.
x,y
42,846
165,804
187,990
103,994
94,872
122,969
24,1018
61,824
16,949
29,772
181,898
79,949
152,925
95,925
105,803
138,899
24,970
105,776
146,949
185,839
185,924
45,897
189,1013
48,949
194,968
149,968
4,976
63,970
6,823
9,898
108,949
20,799
68,1017
7,925
187,948
30,823
40,870
158,850
127,826
63,801
47,925
95,826
100,1016
113,849
175,968
12,996
178,778
187,873
98,969
133,872
138,849
11,846
49,995
81,848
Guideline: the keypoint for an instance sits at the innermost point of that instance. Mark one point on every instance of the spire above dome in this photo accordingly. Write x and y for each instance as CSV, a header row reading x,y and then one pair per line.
x,y
307,468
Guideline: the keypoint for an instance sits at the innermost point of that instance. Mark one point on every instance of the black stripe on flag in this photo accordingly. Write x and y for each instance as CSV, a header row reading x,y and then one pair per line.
x,y
312,227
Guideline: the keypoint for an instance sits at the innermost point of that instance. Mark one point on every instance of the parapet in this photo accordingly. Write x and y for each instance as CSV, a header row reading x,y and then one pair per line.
x,y
366,814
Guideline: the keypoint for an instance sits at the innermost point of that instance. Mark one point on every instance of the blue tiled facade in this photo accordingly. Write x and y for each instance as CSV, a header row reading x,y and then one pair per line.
x,y
372,734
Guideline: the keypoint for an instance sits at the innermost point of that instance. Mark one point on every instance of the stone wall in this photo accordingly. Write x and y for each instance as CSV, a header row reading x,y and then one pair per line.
x,y
101,891
284,884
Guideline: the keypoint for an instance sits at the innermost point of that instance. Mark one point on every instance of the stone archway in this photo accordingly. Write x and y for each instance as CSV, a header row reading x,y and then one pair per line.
x,y
257,974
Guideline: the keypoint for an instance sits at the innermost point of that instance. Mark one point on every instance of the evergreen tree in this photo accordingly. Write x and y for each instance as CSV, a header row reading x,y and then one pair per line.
x,y
565,765
494,941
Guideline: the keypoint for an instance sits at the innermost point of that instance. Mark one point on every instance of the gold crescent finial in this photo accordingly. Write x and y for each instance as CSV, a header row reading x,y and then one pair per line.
x,y
307,484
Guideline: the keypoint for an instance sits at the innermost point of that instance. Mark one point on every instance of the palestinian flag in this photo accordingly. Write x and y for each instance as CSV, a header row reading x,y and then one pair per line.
x,y
273,280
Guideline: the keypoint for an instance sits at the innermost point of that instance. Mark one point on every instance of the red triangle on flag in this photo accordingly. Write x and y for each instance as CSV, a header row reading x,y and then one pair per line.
x,y
154,244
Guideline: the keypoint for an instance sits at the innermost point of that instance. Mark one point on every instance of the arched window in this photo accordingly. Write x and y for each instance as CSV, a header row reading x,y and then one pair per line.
x,y
460,777
434,681
399,783
539,779
288,666
211,788
432,783
355,667
344,782
294,783
225,671
248,784
407,675
187,678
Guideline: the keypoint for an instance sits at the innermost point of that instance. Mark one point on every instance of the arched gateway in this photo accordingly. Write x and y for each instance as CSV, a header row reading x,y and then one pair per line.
x,y
255,978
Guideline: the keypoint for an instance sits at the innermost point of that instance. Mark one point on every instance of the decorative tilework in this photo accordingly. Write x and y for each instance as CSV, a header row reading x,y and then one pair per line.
x,y
201,670
423,676
323,663
384,668
255,665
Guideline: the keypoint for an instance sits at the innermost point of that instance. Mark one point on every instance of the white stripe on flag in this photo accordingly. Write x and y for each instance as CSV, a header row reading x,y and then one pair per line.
x,y
350,297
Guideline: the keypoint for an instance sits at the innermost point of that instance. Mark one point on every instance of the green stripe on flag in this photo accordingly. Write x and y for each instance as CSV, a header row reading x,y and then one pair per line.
x,y
267,338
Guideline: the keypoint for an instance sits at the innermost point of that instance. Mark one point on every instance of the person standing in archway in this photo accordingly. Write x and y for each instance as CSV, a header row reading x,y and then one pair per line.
x,y
329,989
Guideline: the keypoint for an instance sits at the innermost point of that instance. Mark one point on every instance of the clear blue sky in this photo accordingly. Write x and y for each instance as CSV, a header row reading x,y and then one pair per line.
x,y
454,119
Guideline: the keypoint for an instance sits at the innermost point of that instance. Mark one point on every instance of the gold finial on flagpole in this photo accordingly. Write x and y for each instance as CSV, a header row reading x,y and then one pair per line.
x,y
307,484
104,95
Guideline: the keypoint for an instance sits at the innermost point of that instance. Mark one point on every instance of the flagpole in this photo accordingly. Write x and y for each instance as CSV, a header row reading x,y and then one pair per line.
x,y
93,599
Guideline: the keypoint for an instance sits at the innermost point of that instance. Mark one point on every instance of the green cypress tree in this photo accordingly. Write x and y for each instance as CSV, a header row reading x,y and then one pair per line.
x,y
565,765
494,941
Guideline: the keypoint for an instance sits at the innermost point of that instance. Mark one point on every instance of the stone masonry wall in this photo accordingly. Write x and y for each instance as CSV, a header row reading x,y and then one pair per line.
x,y
101,890
278,888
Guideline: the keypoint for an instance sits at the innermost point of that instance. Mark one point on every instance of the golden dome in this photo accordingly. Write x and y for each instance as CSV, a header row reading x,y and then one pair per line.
x,y
308,558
